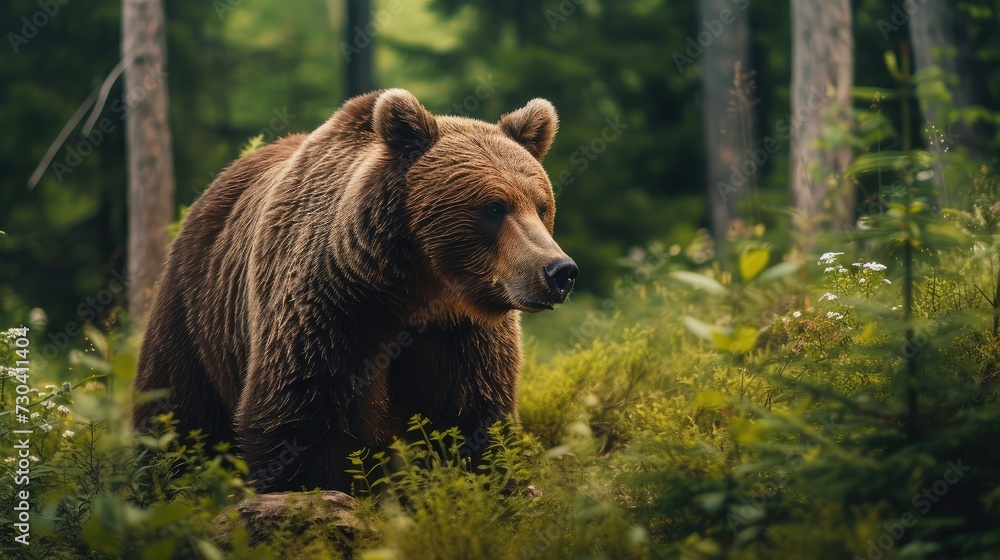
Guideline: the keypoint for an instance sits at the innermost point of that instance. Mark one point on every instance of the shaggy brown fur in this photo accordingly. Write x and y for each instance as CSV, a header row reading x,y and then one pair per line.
x,y
328,287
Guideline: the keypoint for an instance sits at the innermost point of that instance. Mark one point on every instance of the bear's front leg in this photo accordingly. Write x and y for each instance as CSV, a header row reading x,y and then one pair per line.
x,y
290,443
296,426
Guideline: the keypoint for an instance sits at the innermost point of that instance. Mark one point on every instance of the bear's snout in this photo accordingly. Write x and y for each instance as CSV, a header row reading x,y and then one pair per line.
x,y
561,277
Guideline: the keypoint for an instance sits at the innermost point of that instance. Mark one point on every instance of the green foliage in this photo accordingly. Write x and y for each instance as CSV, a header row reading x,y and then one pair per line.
x,y
96,489
431,505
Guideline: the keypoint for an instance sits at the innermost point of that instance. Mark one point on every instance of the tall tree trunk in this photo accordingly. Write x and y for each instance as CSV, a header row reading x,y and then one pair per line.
x,y
936,31
822,67
726,114
360,68
148,149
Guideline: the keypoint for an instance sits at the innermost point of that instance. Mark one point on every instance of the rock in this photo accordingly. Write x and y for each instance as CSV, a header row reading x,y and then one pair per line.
x,y
329,512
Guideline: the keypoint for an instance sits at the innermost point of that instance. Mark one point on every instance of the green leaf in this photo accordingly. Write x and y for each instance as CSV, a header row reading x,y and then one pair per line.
x,y
97,339
252,144
748,431
722,340
701,281
779,271
172,512
745,340
702,329
125,367
379,554
752,262
888,161
880,161
893,65
740,341
866,335
99,538
159,550
164,442
105,526
709,399
208,550
713,502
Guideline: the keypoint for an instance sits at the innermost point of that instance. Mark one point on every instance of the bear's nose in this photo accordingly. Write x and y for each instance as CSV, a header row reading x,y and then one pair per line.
x,y
561,276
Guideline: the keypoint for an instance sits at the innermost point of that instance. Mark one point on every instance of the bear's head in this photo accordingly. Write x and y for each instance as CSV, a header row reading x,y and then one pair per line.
x,y
480,206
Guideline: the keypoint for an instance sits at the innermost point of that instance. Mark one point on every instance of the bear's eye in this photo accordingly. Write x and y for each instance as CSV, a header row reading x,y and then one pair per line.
x,y
496,209
543,209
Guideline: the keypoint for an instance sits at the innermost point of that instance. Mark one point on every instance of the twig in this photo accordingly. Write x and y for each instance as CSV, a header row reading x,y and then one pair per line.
x,y
50,154
109,81
99,95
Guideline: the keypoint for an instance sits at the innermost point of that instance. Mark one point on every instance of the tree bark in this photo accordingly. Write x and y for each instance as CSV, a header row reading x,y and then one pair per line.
x,y
822,67
148,150
360,66
726,114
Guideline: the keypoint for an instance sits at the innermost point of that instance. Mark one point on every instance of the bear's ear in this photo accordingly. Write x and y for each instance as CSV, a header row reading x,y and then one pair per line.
x,y
532,126
403,123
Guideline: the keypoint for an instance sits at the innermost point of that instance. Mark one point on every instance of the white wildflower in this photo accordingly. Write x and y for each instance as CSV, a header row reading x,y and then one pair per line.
x,y
875,267
895,307
797,314
829,258
858,264
68,434
834,315
887,281
35,414
62,409
48,404
35,459
828,296
51,387
829,269
862,280
46,427
9,460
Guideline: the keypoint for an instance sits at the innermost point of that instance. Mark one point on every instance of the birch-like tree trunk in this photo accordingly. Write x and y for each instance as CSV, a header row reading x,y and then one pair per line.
x,y
727,112
148,149
822,67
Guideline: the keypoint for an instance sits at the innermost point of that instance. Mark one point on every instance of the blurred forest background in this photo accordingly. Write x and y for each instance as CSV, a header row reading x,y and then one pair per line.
x,y
234,66
785,340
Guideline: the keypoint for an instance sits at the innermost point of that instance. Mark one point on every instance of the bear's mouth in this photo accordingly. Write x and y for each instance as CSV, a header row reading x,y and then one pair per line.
x,y
535,306
527,302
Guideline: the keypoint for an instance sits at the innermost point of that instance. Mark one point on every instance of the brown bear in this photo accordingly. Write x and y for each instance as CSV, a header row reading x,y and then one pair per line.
x,y
329,286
